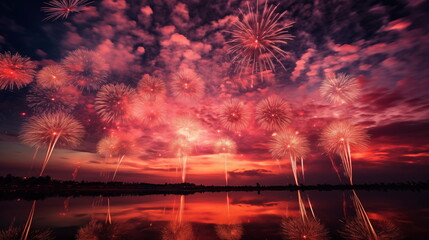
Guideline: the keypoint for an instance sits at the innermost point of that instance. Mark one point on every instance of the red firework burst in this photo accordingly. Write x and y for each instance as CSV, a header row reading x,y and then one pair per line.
x,y
87,69
273,113
340,89
149,113
234,116
256,39
113,102
187,86
57,9
229,231
151,88
52,99
50,129
15,71
290,144
52,76
297,229
340,137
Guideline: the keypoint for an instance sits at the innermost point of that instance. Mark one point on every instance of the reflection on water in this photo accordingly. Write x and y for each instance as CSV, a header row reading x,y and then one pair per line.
x,y
227,216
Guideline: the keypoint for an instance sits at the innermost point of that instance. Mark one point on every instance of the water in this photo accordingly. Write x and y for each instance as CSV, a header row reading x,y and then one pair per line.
x,y
232,215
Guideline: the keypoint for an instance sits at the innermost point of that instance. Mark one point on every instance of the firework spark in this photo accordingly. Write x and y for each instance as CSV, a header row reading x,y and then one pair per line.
x,y
50,129
290,144
149,113
225,147
56,9
340,137
16,71
52,99
151,88
273,113
297,229
52,76
340,89
113,102
229,231
234,115
187,86
115,147
87,69
256,40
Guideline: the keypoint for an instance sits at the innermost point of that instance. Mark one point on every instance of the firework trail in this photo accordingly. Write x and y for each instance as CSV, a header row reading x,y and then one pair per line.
x,y
113,103
182,148
16,71
29,222
149,113
52,76
290,144
50,129
76,170
361,227
115,147
108,216
56,9
62,99
234,116
225,147
340,137
188,132
273,113
87,69
151,88
177,229
187,86
340,89
256,40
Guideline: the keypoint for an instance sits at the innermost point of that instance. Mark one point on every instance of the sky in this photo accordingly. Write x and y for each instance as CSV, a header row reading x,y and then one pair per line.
x,y
381,44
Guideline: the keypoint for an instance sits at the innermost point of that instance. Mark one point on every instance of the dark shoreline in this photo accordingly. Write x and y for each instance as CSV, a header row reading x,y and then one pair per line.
x,y
38,188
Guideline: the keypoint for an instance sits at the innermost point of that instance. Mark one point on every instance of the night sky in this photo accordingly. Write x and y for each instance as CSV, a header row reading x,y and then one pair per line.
x,y
383,44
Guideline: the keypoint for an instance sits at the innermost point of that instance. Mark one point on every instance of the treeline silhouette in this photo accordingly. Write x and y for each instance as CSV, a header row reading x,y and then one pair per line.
x,y
41,187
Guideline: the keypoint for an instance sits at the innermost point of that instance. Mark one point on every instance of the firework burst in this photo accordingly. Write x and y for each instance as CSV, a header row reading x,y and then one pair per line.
x,y
149,113
225,147
52,76
56,9
50,129
234,116
178,231
87,69
151,88
273,113
99,230
187,86
340,89
229,231
297,229
52,99
339,138
292,145
115,147
16,71
356,229
113,102
256,40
